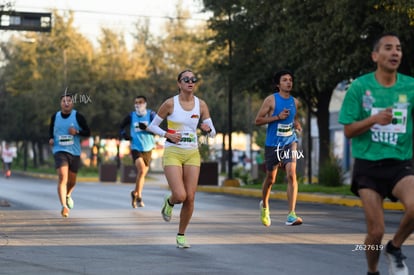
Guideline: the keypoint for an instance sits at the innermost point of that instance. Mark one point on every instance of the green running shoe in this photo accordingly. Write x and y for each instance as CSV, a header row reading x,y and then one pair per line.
x,y
265,215
166,210
181,242
69,202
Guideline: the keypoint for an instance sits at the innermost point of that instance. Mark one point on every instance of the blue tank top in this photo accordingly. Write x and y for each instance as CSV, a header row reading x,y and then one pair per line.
x,y
281,132
63,141
141,140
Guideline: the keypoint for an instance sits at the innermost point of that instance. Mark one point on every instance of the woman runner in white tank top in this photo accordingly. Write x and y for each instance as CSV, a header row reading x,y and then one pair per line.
x,y
181,160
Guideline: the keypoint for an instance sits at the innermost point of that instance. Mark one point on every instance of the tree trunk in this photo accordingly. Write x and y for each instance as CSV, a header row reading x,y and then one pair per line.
x,y
25,155
40,150
322,115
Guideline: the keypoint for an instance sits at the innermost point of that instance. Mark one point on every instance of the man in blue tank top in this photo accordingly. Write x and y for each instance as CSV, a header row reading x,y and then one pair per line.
x,y
142,143
65,129
278,112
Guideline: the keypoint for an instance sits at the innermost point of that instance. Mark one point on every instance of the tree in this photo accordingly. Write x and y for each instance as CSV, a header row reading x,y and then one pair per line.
x,y
323,42
39,68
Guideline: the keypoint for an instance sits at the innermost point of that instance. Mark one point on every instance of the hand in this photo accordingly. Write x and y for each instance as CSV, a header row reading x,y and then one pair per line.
x,y
51,141
284,114
298,127
73,131
384,117
173,137
142,126
205,127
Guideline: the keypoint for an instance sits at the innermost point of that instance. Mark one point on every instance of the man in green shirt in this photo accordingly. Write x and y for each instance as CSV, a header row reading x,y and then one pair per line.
x,y
377,115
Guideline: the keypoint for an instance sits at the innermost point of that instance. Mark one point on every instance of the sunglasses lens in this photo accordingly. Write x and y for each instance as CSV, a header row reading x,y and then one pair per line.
x,y
188,79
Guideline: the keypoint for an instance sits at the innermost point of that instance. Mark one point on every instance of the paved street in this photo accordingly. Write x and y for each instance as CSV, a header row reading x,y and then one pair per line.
x,y
104,235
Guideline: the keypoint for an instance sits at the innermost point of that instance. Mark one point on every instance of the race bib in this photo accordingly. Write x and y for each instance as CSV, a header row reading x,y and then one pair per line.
x,y
188,138
397,125
66,140
284,130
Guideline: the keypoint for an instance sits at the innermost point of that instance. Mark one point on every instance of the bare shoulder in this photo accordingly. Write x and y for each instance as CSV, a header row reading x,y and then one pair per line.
x,y
166,107
204,111
169,102
202,102
297,102
269,101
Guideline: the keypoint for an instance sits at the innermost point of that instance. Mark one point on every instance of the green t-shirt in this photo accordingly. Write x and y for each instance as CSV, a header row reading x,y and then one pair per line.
x,y
366,97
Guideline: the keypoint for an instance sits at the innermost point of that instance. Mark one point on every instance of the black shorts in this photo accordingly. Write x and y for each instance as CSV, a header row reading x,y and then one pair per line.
x,y
67,159
380,175
146,156
7,165
278,156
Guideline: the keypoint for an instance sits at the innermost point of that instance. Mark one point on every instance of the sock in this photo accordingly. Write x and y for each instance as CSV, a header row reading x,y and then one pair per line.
x,y
373,273
170,203
391,247
179,234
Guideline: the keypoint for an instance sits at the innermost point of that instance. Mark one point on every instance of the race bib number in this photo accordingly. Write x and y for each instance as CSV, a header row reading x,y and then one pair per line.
x,y
284,130
397,125
188,138
66,140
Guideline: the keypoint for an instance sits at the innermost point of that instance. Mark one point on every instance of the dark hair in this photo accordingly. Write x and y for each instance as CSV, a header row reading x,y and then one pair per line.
x,y
180,74
141,96
65,95
279,74
376,45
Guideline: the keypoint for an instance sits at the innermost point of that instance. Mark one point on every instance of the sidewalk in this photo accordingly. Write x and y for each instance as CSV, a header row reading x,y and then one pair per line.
x,y
158,179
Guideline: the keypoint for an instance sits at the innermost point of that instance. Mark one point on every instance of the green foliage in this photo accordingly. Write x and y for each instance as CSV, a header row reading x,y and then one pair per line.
x,y
244,43
243,174
204,150
281,177
330,173
327,45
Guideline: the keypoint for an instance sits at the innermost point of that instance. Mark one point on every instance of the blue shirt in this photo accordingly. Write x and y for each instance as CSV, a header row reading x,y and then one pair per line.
x,y
141,140
63,141
281,132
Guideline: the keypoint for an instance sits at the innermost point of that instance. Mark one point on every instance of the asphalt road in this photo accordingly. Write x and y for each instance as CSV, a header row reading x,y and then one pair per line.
x,y
104,235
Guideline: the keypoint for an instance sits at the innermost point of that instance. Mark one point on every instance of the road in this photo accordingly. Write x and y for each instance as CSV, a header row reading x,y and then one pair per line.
x,y
104,235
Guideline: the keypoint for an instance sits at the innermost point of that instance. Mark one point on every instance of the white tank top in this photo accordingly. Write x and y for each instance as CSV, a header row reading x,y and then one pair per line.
x,y
186,123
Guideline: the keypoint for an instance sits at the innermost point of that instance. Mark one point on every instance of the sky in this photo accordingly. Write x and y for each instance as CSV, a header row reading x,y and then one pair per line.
x,y
118,15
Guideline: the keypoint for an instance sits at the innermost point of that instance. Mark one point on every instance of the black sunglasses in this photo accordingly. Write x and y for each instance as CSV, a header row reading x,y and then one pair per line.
x,y
187,79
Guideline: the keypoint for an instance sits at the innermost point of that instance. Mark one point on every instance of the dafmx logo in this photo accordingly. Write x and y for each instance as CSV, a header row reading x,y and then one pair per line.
x,y
78,98
285,152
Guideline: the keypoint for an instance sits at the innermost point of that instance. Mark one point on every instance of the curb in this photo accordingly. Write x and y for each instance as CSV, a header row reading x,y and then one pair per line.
x,y
302,197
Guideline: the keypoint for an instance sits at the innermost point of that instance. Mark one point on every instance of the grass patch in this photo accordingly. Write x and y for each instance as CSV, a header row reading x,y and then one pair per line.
x,y
304,188
309,188
83,171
